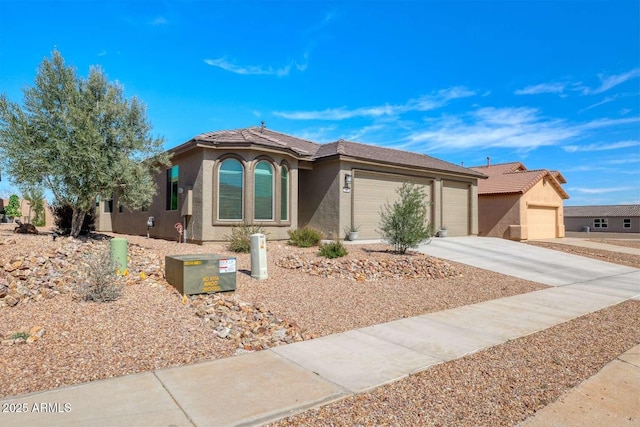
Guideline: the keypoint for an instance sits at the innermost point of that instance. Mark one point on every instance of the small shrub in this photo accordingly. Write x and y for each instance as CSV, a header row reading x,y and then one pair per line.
x,y
13,208
240,238
19,335
102,283
404,223
305,237
332,250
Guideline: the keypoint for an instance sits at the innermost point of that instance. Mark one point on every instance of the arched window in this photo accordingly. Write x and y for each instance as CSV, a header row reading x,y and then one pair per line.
x,y
263,191
284,194
230,189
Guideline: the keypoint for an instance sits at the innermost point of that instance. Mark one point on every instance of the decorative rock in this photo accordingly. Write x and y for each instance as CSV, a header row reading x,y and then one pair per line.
x,y
10,300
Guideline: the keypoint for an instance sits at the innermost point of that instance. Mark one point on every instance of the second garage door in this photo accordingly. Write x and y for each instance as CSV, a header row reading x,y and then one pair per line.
x,y
371,191
455,207
541,222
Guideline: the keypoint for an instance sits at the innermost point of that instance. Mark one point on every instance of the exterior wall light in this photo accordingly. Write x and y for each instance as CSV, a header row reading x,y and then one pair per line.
x,y
347,183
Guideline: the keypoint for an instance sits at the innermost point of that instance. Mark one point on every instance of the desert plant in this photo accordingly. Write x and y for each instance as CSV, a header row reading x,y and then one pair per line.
x,y
240,237
13,208
19,335
101,282
35,196
404,223
332,250
305,237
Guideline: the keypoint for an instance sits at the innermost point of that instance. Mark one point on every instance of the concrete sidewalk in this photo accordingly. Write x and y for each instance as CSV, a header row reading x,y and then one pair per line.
x,y
586,243
258,387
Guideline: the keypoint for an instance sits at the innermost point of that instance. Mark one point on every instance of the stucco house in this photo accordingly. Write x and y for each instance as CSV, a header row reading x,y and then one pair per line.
x,y
520,204
259,176
604,218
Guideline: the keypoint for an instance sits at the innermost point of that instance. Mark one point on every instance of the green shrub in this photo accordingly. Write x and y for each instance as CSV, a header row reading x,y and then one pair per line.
x,y
240,237
404,223
101,282
305,237
19,335
332,250
13,208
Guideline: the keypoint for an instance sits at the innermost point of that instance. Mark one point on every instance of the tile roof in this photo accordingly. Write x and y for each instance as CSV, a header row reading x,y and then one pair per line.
x,y
259,136
514,178
602,211
309,150
389,155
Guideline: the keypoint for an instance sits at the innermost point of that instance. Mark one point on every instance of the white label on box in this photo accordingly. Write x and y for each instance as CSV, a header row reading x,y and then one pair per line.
x,y
227,266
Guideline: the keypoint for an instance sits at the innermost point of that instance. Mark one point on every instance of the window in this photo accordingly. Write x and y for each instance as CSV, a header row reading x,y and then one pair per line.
x,y
120,208
284,194
263,191
172,188
230,186
626,223
600,223
108,205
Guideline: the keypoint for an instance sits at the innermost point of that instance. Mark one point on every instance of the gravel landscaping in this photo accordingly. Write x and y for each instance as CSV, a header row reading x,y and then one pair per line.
x,y
602,255
51,338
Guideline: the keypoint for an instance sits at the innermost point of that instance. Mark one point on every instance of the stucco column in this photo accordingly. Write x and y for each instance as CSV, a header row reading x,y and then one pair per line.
x,y
437,204
473,204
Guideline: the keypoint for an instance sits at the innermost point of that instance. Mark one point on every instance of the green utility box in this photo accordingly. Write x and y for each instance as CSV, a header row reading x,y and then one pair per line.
x,y
200,274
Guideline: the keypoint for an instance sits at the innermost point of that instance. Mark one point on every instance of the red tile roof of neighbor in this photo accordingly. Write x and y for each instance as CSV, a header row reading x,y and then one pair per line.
x,y
514,178
602,211
309,150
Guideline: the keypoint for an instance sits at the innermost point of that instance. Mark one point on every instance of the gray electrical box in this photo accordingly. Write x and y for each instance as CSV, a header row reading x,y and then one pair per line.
x,y
200,274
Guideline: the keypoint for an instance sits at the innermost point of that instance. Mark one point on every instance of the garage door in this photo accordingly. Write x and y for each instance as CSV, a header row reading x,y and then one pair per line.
x,y
455,207
541,222
371,191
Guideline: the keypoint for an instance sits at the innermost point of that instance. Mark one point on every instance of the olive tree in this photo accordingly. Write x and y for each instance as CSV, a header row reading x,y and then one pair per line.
x,y
404,223
80,138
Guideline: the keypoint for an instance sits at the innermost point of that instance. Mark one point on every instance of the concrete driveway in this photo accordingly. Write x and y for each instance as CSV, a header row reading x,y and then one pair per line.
x,y
553,268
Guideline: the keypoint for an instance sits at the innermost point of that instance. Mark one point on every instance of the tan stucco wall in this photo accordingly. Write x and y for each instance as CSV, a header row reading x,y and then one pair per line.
x,y
320,198
497,213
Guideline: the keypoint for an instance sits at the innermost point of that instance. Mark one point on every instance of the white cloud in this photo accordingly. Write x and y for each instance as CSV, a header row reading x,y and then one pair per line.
x,y
541,88
424,103
521,128
604,190
248,70
608,82
160,20
601,147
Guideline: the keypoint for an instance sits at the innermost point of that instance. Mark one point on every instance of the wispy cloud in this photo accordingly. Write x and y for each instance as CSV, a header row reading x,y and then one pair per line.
x,y
560,88
603,190
608,82
601,147
424,103
159,20
522,128
541,88
248,69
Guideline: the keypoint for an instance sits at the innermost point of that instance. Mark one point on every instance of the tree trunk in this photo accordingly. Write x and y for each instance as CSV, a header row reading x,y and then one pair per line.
x,y
76,221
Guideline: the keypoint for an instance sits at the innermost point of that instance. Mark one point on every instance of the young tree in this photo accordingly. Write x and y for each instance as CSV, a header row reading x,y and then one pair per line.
x,y
80,138
404,224
35,197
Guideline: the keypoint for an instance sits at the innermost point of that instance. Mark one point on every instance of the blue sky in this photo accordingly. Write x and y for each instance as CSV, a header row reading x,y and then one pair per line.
x,y
553,84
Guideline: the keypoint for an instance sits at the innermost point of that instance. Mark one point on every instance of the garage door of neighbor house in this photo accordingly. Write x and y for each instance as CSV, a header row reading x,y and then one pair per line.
x,y
455,207
541,222
371,191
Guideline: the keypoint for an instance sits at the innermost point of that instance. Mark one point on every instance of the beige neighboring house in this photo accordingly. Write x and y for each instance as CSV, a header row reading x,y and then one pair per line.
x,y
27,214
259,176
604,218
520,204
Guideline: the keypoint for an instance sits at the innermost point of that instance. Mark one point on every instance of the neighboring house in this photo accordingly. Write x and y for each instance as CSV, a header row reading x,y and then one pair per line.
x,y
258,176
612,218
27,214
519,204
